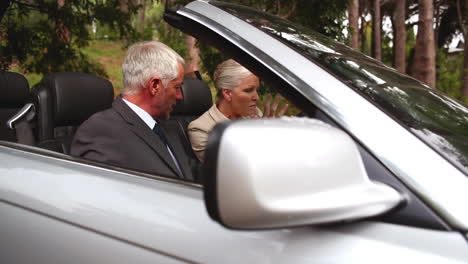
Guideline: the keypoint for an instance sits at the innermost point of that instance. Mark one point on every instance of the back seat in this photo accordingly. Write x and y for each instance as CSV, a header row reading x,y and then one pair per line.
x,y
63,101
196,100
14,94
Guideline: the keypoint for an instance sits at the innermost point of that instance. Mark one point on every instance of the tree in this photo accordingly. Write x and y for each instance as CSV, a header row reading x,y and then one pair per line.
x,y
4,6
376,31
325,17
399,18
353,14
47,36
141,15
463,18
123,5
63,33
447,22
424,54
449,72
192,61
365,30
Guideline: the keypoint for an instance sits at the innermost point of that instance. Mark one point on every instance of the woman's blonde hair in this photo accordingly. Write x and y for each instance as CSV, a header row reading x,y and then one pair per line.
x,y
228,75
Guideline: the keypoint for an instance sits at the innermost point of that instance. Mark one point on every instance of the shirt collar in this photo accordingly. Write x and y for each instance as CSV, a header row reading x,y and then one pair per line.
x,y
149,121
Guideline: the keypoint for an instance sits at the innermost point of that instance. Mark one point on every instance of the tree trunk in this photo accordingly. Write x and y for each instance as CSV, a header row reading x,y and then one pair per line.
x,y
377,31
365,36
353,11
141,16
3,7
123,6
424,55
62,31
281,11
465,70
192,62
400,36
437,17
464,25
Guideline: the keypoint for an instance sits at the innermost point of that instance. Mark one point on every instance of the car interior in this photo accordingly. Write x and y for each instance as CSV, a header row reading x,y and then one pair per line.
x,y
60,102
52,110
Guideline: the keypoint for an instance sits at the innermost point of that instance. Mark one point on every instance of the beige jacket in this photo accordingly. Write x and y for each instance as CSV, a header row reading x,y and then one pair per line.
x,y
198,130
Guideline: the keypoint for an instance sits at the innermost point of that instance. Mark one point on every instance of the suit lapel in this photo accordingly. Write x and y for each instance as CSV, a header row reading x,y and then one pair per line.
x,y
177,149
138,126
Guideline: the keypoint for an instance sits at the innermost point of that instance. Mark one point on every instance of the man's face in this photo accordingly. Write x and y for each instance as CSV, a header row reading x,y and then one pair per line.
x,y
168,95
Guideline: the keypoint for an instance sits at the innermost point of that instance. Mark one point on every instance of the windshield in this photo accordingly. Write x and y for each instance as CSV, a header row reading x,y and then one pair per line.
x,y
438,120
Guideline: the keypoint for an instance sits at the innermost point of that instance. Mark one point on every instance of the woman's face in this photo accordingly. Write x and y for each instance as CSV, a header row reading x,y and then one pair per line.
x,y
244,98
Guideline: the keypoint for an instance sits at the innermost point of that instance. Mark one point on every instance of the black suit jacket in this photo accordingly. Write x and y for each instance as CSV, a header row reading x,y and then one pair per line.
x,y
118,136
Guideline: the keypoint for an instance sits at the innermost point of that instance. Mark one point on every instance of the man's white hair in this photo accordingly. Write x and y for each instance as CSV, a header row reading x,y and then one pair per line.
x,y
148,59
228,75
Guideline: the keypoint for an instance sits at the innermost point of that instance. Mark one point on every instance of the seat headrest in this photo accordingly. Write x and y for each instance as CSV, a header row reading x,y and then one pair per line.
x,y
14,89
197,98
75,96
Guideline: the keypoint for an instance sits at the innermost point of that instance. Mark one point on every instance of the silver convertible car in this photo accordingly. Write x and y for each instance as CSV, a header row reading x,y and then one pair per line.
x,y
375,169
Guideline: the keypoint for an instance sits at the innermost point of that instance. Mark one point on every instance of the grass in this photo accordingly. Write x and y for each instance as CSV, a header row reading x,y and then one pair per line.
x,y
109,54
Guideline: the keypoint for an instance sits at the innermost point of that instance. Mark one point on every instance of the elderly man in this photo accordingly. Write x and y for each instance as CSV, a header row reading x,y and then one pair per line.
x,y
131,133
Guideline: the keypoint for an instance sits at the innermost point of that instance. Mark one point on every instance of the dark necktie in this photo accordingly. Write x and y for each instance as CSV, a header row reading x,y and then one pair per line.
x,y
160,132
162,135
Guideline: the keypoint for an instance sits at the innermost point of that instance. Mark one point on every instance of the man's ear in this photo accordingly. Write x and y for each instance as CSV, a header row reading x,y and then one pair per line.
x,y
154,86
227,94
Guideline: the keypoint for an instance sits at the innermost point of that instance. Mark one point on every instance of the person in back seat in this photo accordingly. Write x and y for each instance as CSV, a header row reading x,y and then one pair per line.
x,y
131,133
237,98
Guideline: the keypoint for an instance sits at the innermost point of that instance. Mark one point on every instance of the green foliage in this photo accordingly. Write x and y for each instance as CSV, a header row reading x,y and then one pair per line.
x,y
165,33
449,74
366,38
325,17
410,41
33,34
110,55
410,44
387,49
210,57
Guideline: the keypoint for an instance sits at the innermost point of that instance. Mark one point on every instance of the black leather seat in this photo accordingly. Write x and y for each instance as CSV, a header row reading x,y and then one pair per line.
x,y
65,100
196,100
14,94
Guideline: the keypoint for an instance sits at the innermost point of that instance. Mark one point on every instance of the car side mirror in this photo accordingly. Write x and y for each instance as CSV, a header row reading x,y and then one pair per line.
x,y
274,173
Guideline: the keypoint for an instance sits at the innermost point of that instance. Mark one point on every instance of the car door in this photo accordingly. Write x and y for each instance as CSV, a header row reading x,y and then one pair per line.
x,y
57,210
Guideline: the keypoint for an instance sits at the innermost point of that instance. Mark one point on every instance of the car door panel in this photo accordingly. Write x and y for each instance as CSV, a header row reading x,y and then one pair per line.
x,y
30,237
170,219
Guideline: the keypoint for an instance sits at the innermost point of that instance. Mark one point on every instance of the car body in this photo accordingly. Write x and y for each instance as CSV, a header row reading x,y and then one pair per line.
x,y
60,209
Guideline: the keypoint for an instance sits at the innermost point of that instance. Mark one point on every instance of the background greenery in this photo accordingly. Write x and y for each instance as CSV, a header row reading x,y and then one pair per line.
x,y
100,31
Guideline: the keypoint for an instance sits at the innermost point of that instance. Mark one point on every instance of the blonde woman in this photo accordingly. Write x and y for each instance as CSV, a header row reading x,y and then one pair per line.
x,y
237,97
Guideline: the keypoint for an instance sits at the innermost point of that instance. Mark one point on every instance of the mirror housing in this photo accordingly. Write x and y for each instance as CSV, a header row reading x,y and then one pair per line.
x,y
275,173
